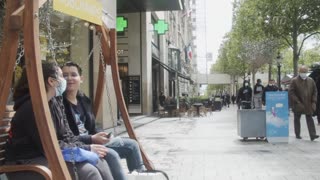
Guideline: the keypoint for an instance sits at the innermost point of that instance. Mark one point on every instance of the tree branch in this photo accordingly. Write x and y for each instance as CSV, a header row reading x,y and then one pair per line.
x,y
287,40
304,39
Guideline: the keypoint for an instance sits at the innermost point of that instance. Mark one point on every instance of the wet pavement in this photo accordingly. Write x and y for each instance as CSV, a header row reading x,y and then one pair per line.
x,y
207,148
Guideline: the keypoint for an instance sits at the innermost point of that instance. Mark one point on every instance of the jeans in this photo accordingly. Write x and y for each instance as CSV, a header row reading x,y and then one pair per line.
x,y
128,149
113,159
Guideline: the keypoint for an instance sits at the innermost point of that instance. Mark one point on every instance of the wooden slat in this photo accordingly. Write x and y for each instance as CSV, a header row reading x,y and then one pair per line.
x,y
16,19
8,54
38,93
8,114
120,99
4,138
5,122
4,129
9,108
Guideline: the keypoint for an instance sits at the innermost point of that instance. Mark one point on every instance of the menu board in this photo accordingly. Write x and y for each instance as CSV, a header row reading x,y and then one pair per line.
x,y
134,89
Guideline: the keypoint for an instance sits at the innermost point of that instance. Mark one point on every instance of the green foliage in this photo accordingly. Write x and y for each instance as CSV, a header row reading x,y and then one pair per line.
x,y
290,21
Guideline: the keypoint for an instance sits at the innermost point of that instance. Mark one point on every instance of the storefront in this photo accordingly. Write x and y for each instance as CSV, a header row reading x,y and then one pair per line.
x,y
140,47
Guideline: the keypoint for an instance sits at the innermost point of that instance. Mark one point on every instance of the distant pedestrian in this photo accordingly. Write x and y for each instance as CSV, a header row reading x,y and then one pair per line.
x,y
270,87
258,92
162,99
303,95
244,97
233,98
227,99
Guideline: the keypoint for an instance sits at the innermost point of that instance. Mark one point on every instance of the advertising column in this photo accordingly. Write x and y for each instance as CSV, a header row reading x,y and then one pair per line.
x,y
277,117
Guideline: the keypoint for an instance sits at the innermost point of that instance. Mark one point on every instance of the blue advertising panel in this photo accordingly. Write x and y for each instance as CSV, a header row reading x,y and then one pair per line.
x,y
277,116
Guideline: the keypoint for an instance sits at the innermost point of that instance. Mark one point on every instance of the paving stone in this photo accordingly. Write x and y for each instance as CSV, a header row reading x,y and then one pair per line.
x,y
208,148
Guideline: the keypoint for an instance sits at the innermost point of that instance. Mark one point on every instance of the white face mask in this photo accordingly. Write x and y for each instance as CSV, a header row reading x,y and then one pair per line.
x,y
246,84
61,87
303,75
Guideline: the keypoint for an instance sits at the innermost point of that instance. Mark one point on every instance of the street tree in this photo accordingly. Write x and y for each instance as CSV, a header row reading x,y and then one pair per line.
x,y
293,21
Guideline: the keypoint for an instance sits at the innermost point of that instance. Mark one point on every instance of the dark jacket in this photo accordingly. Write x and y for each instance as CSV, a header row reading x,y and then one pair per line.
x,y
244,93
24,140
89,123
266,89
303,95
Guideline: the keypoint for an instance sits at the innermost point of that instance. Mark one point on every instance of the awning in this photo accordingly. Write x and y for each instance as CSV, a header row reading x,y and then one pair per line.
x,y
168,68
131,6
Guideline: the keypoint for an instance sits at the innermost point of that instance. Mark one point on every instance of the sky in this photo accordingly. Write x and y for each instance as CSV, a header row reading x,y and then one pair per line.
x,y
219,21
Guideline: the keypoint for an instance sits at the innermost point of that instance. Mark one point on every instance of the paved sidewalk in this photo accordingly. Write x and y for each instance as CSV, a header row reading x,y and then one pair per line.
x,y
208,148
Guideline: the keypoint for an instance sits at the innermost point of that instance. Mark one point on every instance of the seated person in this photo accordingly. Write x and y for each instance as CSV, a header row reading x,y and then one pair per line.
x,y
24,145
78,108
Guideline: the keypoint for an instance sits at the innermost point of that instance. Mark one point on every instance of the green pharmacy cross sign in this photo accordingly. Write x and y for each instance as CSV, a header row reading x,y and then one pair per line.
x,y
161,27
122,23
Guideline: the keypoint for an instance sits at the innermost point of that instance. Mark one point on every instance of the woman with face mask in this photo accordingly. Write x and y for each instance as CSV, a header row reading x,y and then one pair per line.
x,y
24,144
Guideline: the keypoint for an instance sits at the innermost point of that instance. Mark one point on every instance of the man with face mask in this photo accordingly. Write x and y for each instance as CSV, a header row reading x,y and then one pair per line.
x,y
244,96
303,96
270,87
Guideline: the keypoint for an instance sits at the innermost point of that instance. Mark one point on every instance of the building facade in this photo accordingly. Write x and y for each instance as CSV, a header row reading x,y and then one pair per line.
x,y
151,61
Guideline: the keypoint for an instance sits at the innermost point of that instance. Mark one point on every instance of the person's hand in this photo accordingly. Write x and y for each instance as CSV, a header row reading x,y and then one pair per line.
x,y
101,150
100,138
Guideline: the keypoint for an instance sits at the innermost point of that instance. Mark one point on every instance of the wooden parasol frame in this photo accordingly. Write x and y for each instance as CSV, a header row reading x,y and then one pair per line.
x,y
25,17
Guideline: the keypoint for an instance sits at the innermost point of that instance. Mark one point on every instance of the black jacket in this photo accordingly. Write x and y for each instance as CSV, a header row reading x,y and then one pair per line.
x,y
266,89
24,140
89,123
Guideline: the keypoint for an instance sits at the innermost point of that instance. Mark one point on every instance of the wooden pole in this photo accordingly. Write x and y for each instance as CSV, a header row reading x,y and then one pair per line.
x,y
120,99
37,92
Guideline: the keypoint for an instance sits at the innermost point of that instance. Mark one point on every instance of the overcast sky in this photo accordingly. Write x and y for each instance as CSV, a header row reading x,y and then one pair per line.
x,y
219,20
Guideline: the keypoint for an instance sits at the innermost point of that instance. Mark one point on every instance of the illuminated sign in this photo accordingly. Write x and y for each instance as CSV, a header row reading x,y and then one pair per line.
x,y
122,23
161,27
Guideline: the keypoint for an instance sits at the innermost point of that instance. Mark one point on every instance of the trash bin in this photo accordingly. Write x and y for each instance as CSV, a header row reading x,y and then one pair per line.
x,y
251,123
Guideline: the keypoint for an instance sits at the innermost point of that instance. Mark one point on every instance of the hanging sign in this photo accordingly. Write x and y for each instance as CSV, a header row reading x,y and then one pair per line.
x,y
89,10
277,116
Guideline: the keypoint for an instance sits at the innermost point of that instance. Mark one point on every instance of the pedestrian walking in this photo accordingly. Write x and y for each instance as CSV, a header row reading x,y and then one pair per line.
x,y
244,97
233,98
258,92
270,87
303,95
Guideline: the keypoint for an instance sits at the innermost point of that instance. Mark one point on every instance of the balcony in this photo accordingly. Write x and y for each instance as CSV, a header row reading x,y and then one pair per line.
x,y
131,6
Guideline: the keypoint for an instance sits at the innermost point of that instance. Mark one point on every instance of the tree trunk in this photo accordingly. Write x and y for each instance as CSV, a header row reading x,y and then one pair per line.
x,y
295,52
269,71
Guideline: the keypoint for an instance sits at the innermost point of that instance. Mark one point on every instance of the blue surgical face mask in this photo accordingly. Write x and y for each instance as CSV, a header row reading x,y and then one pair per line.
x,y
61,87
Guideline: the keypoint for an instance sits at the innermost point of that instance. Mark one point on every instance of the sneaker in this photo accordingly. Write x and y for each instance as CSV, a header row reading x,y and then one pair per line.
x,y
299,137
314,137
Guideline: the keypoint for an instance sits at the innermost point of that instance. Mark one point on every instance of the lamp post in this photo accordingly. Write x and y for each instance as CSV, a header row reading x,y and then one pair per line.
x,y
279,60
